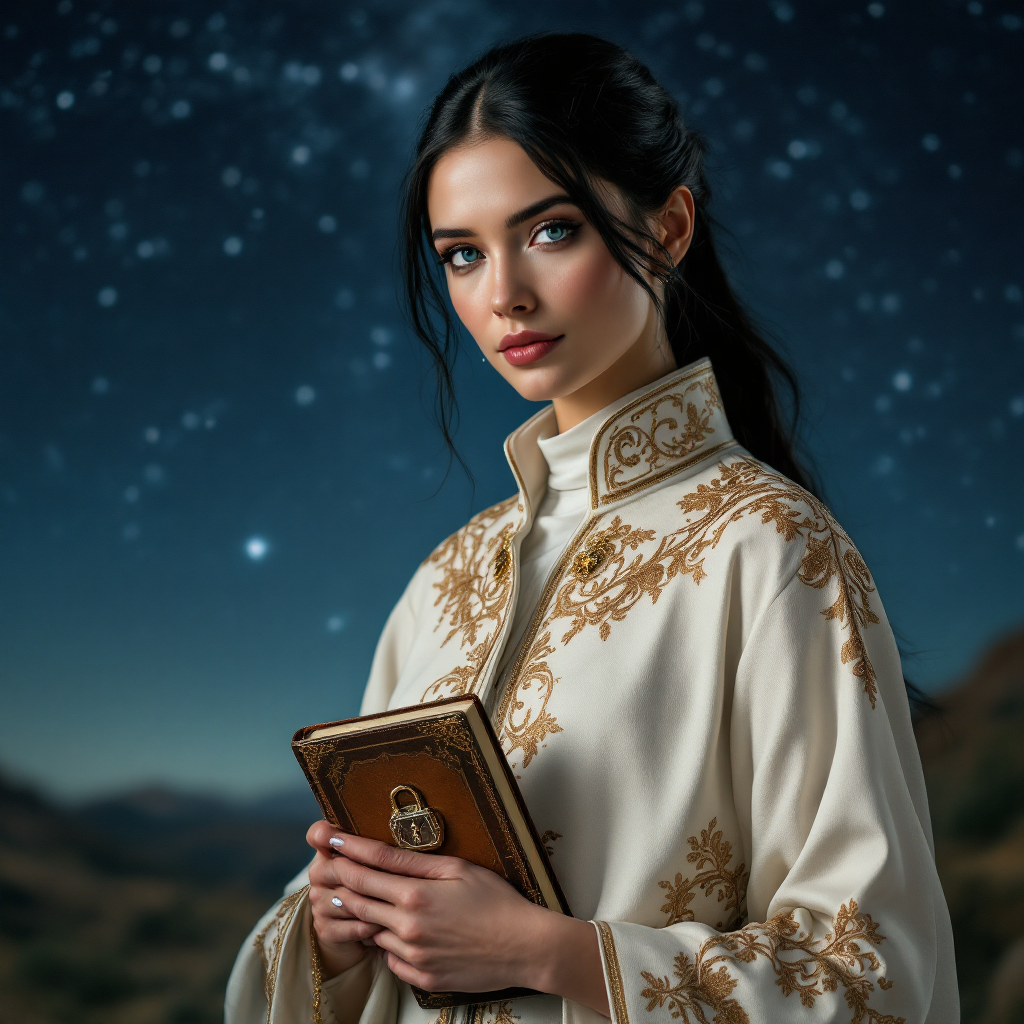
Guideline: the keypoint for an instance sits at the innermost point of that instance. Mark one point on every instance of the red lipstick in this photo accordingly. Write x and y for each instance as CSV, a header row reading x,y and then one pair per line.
x,y
527,346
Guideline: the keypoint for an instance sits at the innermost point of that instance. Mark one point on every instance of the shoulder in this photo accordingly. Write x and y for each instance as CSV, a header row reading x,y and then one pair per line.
x,y
468,552
480,531
740,508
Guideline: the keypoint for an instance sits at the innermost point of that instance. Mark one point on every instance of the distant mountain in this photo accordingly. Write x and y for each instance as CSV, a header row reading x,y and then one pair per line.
x,y
973,758
199,837
93,930
163,803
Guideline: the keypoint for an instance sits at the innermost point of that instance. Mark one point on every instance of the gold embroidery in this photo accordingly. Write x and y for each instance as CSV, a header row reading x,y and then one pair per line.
x,y
599,602
317,970
744,487
270,952
548,840
835,557
711,856
474,602
647,441
510,732
843,958
620,1015
625,575
502,1013
523,731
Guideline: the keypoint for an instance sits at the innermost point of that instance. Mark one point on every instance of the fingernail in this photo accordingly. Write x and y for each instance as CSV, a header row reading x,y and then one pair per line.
x,y
335,841
336,901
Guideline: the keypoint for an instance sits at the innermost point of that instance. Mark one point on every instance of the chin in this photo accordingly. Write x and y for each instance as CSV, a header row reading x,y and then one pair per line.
x,y
541,383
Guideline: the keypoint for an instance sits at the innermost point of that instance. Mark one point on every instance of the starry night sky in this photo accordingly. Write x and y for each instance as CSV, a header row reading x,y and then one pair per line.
x,y
218,466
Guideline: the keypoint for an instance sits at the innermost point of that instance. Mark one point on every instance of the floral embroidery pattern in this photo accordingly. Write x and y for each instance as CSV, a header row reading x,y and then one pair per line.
x,y
473,600
653,436
710,855
624,575
744,487
521,729
802,964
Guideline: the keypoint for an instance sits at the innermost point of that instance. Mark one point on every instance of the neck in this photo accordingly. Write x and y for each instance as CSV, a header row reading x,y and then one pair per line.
x,y
647,359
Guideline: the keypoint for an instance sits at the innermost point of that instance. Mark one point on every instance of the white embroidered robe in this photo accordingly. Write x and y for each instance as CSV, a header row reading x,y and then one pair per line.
x,y
708,721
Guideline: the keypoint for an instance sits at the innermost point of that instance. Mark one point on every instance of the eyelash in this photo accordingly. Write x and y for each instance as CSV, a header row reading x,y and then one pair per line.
x,y
572,227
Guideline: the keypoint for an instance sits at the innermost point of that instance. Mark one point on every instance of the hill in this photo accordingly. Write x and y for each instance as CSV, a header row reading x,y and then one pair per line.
x,y
131,910
973,757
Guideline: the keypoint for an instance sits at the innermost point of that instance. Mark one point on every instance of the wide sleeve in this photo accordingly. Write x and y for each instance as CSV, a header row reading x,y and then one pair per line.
x,y
273,980
848,922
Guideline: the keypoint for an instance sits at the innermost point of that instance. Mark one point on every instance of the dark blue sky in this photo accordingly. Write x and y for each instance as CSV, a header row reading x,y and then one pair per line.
x,y
217,460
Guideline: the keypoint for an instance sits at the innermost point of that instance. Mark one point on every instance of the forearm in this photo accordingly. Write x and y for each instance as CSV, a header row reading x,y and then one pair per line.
x,y
564,959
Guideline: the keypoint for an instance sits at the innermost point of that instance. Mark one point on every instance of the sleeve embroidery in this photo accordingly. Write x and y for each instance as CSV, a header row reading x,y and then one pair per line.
x,y
620,1015
711,856
272,945
807,966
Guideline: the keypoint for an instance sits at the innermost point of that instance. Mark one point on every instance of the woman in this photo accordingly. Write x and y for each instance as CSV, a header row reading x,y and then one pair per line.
x,y
682,652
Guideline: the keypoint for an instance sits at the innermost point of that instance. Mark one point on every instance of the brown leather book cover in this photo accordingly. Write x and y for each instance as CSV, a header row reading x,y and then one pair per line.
x,y
431,777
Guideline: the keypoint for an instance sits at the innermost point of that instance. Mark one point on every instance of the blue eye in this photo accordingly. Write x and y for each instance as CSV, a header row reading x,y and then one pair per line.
x,y
464,257
555,232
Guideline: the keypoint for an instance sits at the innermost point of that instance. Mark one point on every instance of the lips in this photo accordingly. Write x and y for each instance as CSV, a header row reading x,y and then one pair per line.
x,y
527,346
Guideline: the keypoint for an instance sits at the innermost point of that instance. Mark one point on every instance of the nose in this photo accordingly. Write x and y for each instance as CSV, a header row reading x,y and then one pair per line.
x,y
511,297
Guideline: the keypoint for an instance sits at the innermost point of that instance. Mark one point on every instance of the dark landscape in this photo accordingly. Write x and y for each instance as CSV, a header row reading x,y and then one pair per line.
x,y
130,910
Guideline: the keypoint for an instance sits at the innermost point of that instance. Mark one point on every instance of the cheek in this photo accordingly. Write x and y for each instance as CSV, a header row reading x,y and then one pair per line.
x,y
595,288
471,301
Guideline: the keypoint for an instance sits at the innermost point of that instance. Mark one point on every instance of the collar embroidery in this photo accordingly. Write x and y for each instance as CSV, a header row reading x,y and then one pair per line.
x,y
672,426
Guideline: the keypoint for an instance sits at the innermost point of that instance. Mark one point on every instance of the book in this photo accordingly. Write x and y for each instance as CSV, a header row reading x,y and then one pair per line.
x,y
431,777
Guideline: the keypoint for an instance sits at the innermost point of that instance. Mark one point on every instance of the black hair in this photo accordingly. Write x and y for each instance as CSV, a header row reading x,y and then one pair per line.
x,y
585,109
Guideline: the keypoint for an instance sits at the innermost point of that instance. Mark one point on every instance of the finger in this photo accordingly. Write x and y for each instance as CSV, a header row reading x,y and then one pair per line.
x,y
398,890
321,870
410,975
336,931
319,836
387,940
392,859
330,902
365,908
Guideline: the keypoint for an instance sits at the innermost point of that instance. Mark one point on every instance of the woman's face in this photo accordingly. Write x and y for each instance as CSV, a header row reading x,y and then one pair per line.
x,y
534,283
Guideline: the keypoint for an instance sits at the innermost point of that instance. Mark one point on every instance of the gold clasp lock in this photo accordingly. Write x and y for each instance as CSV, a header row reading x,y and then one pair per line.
x,y
415,826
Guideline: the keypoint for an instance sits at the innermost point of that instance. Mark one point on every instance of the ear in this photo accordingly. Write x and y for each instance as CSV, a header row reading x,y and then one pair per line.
x,y
676,222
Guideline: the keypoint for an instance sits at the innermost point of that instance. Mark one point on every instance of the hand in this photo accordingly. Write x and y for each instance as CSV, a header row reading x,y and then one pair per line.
x,y
343,939
449,925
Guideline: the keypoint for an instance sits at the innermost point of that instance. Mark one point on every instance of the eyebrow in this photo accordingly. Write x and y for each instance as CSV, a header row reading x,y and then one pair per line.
x,y
512,221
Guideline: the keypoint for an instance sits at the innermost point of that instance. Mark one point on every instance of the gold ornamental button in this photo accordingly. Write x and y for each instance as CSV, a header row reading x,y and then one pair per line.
x,y
501,561
587,561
